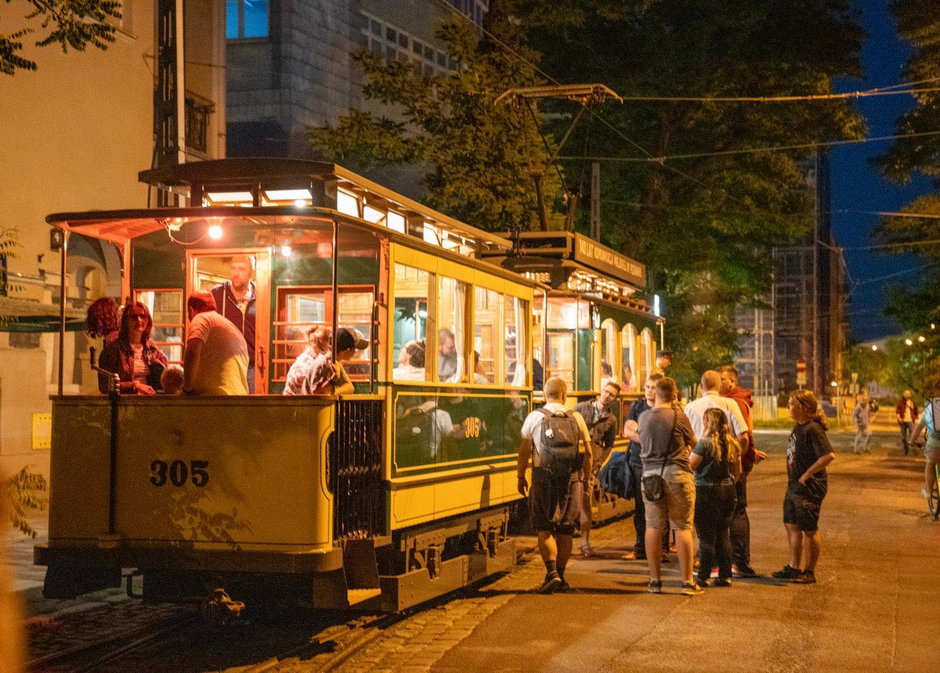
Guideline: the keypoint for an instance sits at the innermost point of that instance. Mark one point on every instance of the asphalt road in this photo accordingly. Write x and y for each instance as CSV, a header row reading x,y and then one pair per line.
x,y
874,608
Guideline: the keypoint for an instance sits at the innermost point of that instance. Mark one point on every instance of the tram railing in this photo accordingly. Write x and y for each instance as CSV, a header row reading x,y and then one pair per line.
x,y
355,470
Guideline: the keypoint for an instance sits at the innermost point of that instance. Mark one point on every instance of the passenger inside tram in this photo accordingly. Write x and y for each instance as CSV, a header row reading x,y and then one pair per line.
x,y
235,299
410,362
172,380
133,356
312,372
447,366
349,342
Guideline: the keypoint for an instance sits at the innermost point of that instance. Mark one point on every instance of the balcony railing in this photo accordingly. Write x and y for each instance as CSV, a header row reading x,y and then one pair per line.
x,y
198,110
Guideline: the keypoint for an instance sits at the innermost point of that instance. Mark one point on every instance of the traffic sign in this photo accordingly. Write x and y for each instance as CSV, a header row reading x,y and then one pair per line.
x,y
801,372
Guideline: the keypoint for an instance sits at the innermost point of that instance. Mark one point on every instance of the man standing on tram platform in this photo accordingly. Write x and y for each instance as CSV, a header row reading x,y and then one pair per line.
x,y
235,299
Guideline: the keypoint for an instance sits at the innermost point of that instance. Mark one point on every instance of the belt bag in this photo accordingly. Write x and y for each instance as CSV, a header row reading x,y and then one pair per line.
x,y
654,486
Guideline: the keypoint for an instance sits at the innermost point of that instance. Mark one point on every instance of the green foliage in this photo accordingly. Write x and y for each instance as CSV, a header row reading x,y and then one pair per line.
x,y
70,23
708,221
479,156
23,492
914,306
871,366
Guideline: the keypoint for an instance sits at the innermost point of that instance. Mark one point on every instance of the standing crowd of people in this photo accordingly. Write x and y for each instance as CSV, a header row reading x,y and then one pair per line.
x,y
689,466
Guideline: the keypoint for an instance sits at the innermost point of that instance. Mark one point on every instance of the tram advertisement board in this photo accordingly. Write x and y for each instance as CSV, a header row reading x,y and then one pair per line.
x,y
600,257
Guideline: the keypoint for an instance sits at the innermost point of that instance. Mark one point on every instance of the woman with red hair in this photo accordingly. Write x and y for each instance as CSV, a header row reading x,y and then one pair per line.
x,y
133,356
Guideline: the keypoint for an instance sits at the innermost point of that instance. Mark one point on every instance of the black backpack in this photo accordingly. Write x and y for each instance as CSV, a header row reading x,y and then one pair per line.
x,y
558,448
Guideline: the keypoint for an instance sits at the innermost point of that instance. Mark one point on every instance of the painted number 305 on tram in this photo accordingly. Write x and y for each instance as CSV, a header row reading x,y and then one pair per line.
x,y
383,497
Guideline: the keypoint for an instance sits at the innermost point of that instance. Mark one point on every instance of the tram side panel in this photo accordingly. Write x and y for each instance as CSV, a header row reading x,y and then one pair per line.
x,y
201,485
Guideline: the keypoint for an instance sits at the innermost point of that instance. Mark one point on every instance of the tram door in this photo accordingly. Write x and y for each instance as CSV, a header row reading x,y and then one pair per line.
x,y
240,281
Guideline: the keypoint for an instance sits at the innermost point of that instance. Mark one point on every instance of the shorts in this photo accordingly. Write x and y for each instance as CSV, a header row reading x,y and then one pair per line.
x,y
801,504
554,502
677,507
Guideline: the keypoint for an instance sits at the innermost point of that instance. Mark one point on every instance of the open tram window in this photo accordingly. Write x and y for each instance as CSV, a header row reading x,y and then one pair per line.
x,y
609,334
166,309
486,321
452,301
644,360
514,322
355,312
412,290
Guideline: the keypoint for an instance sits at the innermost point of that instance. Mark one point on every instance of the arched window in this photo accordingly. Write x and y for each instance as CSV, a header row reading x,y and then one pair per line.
x,y
628,378
609,359
645,352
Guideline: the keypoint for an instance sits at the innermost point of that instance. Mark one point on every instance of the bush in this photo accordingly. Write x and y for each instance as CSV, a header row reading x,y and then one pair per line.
x,y
25,492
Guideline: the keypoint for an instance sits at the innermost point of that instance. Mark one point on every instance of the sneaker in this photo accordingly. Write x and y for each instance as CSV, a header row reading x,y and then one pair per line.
x,y
722,582
806,577
634,556
655,587
702,583
714,572
788,573
563,586
691,589
743,570
551,584
587,550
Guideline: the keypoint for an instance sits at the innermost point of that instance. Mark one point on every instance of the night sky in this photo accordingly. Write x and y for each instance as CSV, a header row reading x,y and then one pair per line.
x,y
859,187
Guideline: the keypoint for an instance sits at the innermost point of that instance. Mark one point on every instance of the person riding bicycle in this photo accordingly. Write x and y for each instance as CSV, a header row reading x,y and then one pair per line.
x,y
928,419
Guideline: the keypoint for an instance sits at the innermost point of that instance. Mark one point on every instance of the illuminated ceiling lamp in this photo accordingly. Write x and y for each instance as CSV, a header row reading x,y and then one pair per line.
x,y
244,199
299,198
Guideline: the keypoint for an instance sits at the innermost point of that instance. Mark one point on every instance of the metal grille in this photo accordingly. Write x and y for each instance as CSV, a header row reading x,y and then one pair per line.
x,y
355,470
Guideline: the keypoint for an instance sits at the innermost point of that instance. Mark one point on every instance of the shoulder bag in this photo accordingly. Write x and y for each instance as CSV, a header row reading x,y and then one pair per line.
x,y
654,486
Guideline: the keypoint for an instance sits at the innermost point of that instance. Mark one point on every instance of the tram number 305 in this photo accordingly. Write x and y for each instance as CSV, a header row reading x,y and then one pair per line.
x,y
178,472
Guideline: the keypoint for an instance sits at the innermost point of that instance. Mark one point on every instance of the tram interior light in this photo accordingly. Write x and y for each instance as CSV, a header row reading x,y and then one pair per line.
x,y
286,250
215,231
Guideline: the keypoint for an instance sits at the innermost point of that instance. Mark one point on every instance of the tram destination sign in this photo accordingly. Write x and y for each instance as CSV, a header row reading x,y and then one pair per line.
x,y
600,257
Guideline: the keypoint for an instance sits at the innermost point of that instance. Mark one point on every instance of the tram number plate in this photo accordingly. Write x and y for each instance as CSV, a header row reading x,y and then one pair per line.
x,y
178,472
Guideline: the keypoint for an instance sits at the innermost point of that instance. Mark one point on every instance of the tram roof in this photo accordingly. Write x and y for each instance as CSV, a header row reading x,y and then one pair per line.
x,y
257,179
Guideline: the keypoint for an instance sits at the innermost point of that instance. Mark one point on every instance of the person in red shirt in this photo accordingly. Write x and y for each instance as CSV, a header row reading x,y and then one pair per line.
x,y
906,413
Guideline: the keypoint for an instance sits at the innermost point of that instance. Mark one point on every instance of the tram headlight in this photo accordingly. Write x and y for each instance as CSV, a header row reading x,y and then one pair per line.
x,y
215,231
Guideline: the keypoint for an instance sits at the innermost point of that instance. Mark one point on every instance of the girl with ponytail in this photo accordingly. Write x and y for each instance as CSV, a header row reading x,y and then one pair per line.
x,y
717,462
808,454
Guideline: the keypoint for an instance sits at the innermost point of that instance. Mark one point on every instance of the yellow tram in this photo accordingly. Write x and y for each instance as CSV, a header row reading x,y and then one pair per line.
x,y
383,498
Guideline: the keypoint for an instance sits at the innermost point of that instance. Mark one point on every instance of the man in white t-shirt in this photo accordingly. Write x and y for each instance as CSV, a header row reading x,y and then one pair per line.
x,y
557,492
711,399
216,357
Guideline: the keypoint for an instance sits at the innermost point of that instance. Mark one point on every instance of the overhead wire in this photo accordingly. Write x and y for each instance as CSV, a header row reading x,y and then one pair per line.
x,y
779,99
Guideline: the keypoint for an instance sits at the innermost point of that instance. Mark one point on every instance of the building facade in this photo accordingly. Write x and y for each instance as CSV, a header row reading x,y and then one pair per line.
x,y
805,312
290,64
75,134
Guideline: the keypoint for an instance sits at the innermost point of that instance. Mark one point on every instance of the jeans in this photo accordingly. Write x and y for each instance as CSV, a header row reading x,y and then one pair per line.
x,y
714,507
906,430
862,438
741,525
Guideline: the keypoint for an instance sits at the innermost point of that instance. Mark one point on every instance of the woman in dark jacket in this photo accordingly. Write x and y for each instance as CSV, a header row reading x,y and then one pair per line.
x,y
133,356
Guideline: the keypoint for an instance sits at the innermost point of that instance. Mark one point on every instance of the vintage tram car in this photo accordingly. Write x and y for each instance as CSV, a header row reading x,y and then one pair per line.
x,y
380,499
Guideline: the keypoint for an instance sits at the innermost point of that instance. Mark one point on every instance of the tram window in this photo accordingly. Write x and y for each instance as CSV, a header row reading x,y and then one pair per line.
x,y
561,357
568,313
643,360
412,289
395,222
648,350
166,307
486,310
355,311
514,320
452,302
628,379
538,317
347,203
609,335
298,309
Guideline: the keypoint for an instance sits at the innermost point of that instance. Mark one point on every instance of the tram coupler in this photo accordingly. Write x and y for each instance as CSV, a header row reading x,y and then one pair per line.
x,y
219,608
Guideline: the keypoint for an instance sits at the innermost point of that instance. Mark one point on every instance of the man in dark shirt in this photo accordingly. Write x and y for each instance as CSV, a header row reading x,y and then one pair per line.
x,y
235,299
635,465
598,414
667,438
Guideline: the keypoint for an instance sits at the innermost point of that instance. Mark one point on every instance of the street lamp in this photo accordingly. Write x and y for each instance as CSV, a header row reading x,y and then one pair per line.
x,y
909,342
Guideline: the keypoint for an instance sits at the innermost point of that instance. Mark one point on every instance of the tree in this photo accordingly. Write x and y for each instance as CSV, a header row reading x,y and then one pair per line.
x,y
707,222
70,23
914,306
478,156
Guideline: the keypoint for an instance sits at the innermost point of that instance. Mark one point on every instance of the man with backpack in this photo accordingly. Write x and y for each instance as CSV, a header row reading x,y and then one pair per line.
x,y
558,442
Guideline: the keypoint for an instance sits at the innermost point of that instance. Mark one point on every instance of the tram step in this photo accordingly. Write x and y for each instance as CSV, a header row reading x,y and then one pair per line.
x,y
356,596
